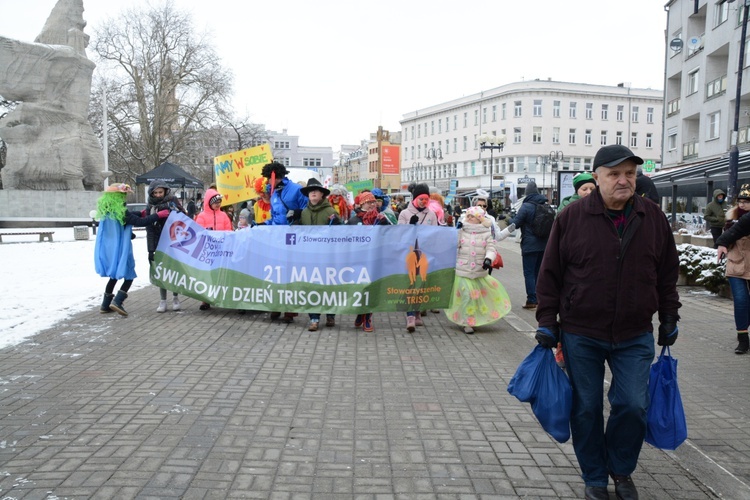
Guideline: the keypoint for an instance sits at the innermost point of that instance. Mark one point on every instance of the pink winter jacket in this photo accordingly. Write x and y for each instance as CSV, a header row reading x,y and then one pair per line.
x,y
213,219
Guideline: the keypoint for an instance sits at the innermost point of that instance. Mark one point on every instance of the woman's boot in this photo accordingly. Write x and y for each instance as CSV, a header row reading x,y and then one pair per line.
x,y
744,343
116,304
106,301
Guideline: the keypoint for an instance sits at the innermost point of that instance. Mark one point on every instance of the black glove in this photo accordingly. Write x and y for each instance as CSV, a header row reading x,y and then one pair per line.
x,y
547,336
487,264
459,225
667,330
151,256
414,219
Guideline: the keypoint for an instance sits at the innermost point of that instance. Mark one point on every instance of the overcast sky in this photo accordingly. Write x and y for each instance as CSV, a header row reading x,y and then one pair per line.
x,y
331,71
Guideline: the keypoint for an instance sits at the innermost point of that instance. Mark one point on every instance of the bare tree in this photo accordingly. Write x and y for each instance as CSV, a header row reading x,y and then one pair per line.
x,y
164,86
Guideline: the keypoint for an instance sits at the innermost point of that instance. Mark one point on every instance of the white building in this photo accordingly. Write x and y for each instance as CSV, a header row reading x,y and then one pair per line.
x,y
288,152
700,95
541,120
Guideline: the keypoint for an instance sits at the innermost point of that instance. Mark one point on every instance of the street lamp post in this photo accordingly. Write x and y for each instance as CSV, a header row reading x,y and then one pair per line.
x,y
491,142
555,158
734,152
434,155
543,161
416,169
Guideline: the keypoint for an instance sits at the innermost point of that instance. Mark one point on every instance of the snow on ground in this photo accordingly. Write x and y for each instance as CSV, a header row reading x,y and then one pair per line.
x,y
44,283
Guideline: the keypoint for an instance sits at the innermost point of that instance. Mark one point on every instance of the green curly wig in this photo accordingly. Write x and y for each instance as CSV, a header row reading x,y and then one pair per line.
x,y
111,205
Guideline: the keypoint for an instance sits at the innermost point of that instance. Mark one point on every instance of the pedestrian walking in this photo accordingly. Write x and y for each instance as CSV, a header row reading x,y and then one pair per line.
x,y
533,243
734,245
610,265
478,299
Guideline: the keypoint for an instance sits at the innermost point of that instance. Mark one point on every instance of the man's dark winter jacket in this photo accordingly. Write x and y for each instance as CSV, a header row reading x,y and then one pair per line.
x,y
523,220
603,286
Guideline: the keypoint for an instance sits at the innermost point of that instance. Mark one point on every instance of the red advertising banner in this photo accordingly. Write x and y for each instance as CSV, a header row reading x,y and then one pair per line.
x,y
391,159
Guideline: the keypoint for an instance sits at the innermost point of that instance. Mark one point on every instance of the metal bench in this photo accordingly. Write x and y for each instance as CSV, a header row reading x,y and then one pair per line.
x,y
43,235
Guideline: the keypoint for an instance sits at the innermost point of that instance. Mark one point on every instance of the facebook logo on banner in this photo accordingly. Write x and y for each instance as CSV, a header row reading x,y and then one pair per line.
x,y
291,239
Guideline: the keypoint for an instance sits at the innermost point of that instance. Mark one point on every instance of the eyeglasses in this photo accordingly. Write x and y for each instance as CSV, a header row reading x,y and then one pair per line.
x,y
481,206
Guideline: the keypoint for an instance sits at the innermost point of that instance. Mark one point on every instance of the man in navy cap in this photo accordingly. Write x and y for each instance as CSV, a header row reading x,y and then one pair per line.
x,y
610,265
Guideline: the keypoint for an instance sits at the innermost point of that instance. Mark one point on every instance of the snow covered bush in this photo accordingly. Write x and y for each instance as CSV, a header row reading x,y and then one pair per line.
x,y
699,265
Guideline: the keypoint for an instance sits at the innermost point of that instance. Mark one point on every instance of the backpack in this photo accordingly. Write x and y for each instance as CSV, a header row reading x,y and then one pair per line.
x,y
544,216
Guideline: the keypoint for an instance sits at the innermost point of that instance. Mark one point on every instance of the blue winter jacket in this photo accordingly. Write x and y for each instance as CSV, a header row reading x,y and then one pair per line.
x,y
293,199
523,220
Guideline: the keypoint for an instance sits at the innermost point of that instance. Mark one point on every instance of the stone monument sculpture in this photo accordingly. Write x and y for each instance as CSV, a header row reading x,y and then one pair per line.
x,y
51,145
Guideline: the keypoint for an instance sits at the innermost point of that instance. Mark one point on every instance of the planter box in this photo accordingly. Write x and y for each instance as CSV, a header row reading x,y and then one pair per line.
x,y
701,241
680,238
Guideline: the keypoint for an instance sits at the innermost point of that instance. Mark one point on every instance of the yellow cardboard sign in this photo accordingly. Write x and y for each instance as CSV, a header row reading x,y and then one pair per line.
x,y
236,172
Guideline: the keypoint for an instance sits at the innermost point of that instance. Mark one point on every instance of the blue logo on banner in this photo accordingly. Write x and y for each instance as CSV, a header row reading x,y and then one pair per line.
x,y
291,239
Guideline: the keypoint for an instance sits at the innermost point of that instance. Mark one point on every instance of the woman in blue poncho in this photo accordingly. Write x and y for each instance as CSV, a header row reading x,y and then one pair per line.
x,y
113,251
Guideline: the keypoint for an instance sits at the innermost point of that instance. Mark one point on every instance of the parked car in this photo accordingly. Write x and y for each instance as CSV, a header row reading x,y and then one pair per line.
x,y
137,207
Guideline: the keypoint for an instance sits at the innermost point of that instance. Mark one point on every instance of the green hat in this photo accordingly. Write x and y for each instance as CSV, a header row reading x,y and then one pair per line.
x,y
581,179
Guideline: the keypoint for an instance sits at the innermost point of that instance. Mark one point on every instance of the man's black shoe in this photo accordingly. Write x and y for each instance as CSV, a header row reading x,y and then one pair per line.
x,y
624,488
596,493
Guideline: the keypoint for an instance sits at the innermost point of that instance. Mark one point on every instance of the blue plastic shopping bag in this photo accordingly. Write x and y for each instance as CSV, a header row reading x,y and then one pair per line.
x,y
667,427
540,381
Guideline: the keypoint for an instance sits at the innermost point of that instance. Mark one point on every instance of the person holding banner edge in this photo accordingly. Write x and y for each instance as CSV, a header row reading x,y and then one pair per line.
x,y
417,212
287,203
318,212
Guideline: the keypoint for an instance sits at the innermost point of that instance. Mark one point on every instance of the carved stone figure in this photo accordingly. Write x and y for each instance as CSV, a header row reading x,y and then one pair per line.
x,y
51,145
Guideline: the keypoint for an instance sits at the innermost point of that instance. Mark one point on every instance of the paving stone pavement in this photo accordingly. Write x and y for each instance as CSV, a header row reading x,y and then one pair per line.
x,y
217,404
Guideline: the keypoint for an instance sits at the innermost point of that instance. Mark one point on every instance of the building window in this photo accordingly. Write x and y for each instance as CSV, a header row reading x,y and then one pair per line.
x,y
440,126
572,136
587,137
466,143
572,113
311,162
721,12
476,143
589,110
455,122
447,147
649,140
494,112
419,151
713,125
517,135
517,109
618,138
634,139
419,131
603,138
455,144
556,135
692,82
281,145
484,115
537,135
678,35
672,139
649,115
503,111
432,127
556,109
476,117
425,129
605,111
466,119
620,112
634,114
537,107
